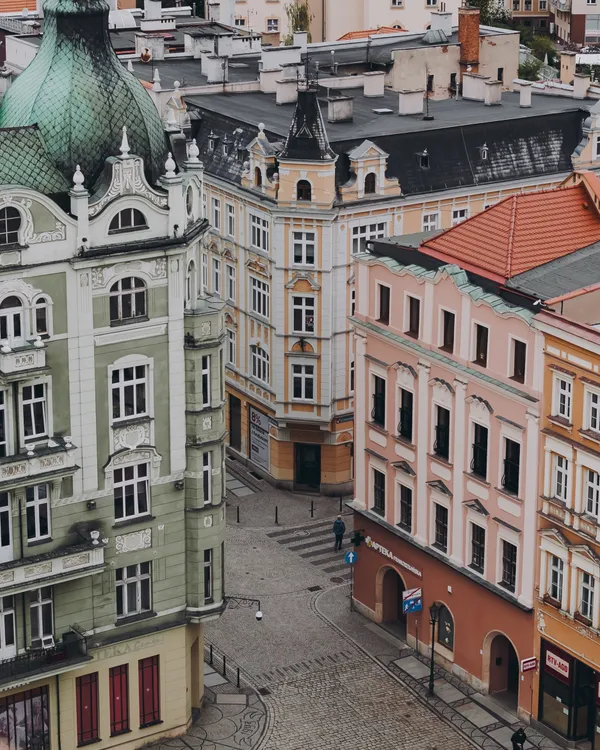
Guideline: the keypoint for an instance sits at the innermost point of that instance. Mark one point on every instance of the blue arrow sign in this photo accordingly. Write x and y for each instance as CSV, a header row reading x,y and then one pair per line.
x,y
350,557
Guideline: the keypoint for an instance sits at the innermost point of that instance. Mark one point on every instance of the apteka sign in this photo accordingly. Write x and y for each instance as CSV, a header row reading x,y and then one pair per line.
x,y
386,553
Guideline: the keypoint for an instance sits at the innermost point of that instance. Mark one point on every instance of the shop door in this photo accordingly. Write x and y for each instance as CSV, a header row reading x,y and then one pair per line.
x,y
235,423
307,466
584,701
393,618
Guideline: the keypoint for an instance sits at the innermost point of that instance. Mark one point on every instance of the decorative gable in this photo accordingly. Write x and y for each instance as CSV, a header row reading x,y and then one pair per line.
x,y
306,277
368,164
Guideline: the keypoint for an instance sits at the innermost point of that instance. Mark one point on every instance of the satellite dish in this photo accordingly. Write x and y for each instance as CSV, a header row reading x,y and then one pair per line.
x,y
145,55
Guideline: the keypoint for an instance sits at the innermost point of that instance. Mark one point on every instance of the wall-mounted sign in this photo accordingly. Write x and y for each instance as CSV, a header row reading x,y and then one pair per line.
x,y
559,665
412,601
528,665
259,438
386,553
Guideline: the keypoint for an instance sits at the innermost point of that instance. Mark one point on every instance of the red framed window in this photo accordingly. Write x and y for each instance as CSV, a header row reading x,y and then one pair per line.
x,y
86,689
149,691
119,699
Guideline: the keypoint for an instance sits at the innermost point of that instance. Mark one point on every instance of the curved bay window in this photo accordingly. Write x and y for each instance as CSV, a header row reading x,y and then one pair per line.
x,y
303,190
127,300
10,224
445,632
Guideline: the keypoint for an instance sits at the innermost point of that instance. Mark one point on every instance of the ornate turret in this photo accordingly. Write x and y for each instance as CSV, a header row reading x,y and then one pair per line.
x,y
80,95
307,137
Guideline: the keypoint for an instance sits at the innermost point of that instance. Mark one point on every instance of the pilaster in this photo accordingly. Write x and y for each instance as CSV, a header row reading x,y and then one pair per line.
x,y
422,421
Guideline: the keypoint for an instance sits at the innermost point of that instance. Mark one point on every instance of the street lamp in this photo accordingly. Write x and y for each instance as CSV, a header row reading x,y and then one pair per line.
x,y
434,611
239,602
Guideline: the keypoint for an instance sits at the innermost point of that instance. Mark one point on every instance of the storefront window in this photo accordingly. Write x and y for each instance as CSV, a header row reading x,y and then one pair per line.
x,y
445,628
24,721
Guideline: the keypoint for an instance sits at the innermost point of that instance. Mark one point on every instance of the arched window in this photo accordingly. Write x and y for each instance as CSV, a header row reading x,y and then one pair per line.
x,y
370,183
303,190
128,218
127,300
190,285
41,316
257,177
260,363
12,328
445,633
10,223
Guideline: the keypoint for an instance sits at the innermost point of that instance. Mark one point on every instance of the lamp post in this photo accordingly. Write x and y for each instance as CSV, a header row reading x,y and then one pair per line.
x,y
242,602
434,611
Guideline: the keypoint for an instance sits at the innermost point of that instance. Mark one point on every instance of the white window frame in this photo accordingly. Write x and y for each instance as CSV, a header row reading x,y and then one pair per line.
x,y
302,241
562,385
38,500
480,522
438,499
363,233
8,649
560,478
351,377
6,412
207,463
204,271
231,281
230,214
137,580
216,276
260,293
301,375
204,205
591,419
231,347
215,212
555,578
506,535
305,304
459,215
41,302
272,25
592,487
208,565
592,589
430,221
406,483
206,384
260,363
46,402
122,385
259,232
352,301
38,600
136,482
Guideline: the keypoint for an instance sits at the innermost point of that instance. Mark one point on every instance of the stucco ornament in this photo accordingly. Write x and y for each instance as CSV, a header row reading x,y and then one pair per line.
x,y
132,542
541,623
130,436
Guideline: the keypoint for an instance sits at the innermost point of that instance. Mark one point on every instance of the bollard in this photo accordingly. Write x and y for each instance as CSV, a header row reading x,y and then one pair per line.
x,y
238,676
312,508
224,666
238,513
211,654
276,514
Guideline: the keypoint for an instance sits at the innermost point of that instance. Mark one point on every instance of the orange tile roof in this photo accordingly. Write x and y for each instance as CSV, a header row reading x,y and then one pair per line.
x,y
521,232
16,6
369,32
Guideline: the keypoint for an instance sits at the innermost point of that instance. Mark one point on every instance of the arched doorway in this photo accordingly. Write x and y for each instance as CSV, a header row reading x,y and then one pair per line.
x,y
392,617
504,672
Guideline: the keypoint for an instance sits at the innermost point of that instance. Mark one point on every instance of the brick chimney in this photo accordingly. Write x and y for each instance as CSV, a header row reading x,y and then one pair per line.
x,y
468,38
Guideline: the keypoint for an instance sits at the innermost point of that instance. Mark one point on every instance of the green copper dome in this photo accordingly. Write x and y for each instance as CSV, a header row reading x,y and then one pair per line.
x,y
80,96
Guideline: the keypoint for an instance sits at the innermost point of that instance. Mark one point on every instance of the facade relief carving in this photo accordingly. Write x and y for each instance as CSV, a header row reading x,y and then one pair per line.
x,y
133,542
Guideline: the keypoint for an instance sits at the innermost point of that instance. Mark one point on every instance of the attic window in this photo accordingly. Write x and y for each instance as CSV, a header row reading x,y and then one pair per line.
x,y
212,141
483,150
226,146
370,184
257,177
303,190
424,159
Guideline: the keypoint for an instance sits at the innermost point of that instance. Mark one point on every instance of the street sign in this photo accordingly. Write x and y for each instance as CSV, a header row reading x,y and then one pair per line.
x,y
528,665
412,601
350,557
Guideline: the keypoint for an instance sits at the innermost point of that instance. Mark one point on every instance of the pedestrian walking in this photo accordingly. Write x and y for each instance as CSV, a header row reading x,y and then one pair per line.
x,y
339,529
518,739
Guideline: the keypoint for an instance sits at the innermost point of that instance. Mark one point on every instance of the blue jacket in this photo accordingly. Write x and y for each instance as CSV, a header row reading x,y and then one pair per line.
x,y
339,527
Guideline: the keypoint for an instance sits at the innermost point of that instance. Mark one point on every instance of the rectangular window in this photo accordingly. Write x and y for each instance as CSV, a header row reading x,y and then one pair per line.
x,y
459,215
361,235
414,316
480,451
405,508
516,4
477,547
303,382
481,345
441,527
231,282
304,248
216,277
207,477
41,614
588,587
38,512
352,301
204,264
3,426
216,214
561,477
441,446
448,326
131,491
129,392
383,314
259,233
593,493
563,390
527,5
431,222
230,219
35,411
231,347
118,678
378,410
272,25
543,4
379,492
133,588
208,575
556,576
86,690
206,399
352,376
500,75
518,361
260,297
303,314
509,566
593,415
405,425
512,465
260,364
149,691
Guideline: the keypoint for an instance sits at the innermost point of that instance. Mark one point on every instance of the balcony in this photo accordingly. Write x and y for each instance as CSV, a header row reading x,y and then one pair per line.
x,y
55,455
67,653
23,359
58,566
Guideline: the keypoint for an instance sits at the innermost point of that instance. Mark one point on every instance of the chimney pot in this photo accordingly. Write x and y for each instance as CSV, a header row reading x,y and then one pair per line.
x,y
410,102
524,94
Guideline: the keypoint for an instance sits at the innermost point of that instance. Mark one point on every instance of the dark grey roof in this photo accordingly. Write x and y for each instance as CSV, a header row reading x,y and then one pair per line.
x,y
307,137
188,71
561,276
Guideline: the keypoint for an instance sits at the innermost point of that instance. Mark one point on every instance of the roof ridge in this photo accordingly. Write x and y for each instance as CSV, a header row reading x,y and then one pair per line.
x,y
511,236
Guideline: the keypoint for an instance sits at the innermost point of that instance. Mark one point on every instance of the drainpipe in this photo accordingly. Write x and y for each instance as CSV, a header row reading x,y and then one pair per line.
x,y
58,712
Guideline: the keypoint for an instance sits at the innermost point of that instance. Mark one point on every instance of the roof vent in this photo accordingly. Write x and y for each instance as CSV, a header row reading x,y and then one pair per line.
x,y
383,111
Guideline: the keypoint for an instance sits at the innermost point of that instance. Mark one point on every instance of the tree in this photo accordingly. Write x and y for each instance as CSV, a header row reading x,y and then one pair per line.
x,y
529,70
491,12
299,18
542,46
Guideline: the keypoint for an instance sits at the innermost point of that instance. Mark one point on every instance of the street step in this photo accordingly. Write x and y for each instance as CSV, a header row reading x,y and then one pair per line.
x,y
308,527
317,547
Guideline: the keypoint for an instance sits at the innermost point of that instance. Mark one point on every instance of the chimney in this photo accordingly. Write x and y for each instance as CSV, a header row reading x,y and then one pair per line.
x,y
492,93
150,44
410,102
215,68
301,40
468,39
442,21
286,91
373,83
581,84
567,67
340,109
524,93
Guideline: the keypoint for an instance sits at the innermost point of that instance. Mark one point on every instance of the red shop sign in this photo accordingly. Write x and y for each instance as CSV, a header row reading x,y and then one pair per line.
x,y
558,664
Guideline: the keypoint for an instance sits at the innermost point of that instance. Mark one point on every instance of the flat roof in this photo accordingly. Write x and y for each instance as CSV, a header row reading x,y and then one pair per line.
x,y
188,71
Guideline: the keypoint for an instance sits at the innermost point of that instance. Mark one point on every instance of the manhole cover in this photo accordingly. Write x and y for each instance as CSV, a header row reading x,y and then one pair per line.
x,y
301,532
337,579
264,691
314,588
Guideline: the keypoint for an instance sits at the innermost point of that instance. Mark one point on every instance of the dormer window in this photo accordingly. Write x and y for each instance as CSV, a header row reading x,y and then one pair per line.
x,y
212,141
424,159
483,150
128,219
10,223
303,190
226,146
370,184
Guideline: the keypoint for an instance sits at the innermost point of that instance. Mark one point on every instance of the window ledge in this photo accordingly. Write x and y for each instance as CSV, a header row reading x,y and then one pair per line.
x,y
483,365
477,478
475,569
447,349
441,459
89,742
506,587
439,547
129,321
547,599
134,618
151,723
128,230
562,421
509,493
39,542
122,731
405,527
411,334
128,421
378,428
590,435
516,379
405,441
378,511
583,620
131,521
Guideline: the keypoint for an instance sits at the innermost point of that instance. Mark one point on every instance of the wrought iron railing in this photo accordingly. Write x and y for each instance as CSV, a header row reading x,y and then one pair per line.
x,y
72,647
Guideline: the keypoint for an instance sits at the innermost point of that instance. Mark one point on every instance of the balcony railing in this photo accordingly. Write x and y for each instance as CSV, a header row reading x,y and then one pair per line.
x,y
20,360
54,454
71,650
